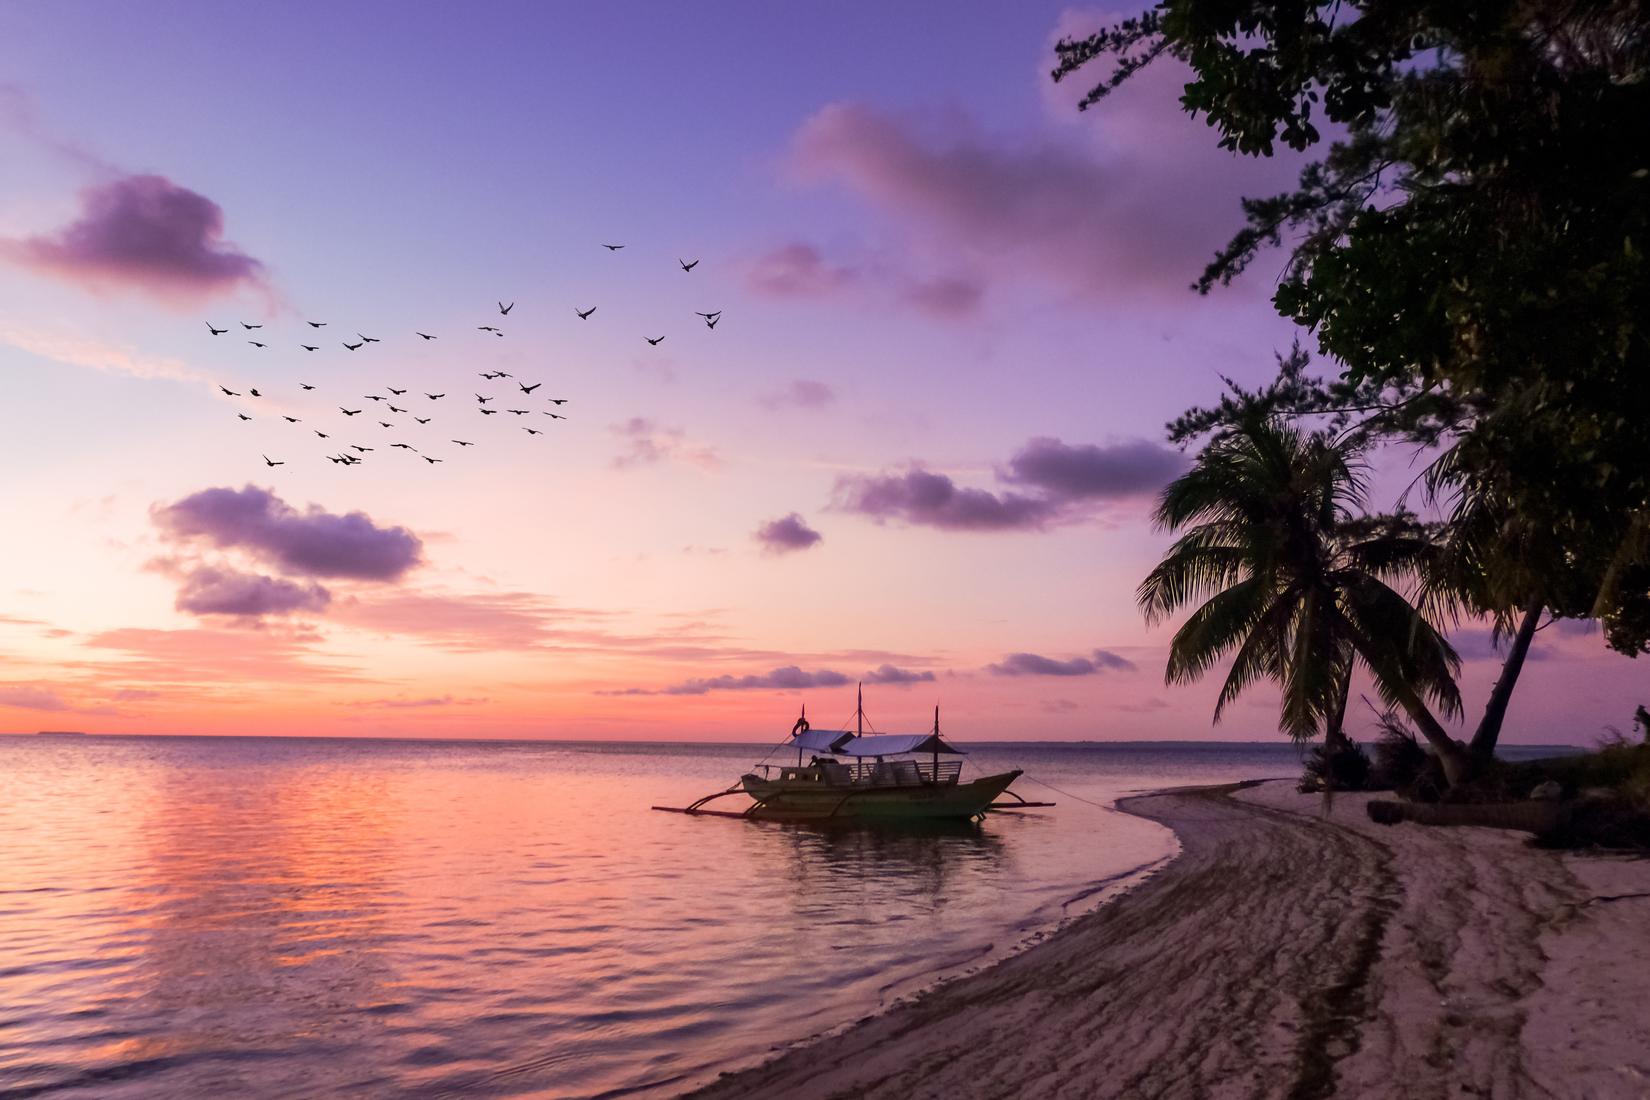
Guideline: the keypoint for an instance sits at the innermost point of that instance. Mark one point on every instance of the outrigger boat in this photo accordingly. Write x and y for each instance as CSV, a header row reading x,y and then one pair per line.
x,y
853,777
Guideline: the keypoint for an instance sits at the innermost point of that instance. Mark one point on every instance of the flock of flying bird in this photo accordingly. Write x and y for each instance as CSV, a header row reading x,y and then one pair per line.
x,y
344,457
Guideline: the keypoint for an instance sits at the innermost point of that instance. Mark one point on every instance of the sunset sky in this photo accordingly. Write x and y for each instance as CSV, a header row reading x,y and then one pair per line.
x,y
918,448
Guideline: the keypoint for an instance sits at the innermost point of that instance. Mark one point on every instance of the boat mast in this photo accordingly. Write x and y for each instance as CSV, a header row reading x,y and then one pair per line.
x,y
936,744
859,713
802,722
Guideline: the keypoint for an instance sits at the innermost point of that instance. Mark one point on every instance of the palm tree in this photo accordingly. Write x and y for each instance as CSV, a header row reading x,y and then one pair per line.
x,y
1282,575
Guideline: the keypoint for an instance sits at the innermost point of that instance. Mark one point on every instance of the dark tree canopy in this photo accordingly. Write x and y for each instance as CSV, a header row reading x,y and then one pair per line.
x,y
1468,249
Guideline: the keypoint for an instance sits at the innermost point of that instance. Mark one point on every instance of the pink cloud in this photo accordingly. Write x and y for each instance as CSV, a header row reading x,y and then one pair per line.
x,y
417,704
142,233
1142,217
785,678
466,624
950,296
1034,664
311,543
1079,471
893,674
787,535
647,444
927,499
1066,482
165,657
31,697
210,591
797,270
803,393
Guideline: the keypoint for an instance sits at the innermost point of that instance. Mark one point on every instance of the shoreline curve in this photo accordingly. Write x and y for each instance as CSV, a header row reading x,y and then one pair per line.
x,y
1285,952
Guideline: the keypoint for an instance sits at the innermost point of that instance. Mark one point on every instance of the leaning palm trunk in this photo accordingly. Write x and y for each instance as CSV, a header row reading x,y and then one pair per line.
x,y
1495,712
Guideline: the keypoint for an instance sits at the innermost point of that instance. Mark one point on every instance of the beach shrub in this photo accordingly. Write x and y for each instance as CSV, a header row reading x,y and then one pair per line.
x,y
1342,767
1399,757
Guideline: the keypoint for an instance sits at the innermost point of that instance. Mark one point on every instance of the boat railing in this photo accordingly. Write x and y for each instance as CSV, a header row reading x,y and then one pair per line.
x,y
899,773
942,771
882,773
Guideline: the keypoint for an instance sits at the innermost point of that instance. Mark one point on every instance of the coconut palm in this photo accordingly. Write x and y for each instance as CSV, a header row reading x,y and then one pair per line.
x,y
1282,575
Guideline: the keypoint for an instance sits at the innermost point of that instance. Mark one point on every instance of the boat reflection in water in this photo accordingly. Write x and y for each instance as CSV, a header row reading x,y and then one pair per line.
x,y
852,777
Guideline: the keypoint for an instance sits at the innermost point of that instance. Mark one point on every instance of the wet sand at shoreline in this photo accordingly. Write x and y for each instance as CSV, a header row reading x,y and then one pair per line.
x,y
1287,954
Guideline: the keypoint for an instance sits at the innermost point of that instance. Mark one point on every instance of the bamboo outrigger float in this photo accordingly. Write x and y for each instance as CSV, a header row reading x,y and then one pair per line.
x,y
852,777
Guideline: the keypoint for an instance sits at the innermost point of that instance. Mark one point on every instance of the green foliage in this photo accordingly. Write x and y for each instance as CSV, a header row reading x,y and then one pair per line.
x,y
1469,250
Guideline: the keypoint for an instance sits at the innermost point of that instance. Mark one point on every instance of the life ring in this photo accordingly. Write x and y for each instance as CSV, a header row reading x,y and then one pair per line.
x,y
800,728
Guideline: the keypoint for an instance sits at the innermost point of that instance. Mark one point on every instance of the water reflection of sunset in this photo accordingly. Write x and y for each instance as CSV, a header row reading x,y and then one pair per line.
x,y
277,916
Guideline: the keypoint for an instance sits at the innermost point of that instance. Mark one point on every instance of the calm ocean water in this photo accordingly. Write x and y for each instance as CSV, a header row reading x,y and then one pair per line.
x,y
292,917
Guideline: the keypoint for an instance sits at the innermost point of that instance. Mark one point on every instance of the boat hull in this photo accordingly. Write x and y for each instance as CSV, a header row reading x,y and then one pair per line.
x,y
780,801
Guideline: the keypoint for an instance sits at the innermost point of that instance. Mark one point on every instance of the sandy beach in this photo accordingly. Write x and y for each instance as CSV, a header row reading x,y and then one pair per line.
x,y
1287,954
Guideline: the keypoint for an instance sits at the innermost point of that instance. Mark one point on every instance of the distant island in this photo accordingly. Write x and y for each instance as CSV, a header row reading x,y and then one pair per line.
x,y
61,733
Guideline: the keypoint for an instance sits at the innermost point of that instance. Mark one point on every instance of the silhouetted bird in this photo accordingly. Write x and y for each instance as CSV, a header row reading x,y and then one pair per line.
x,y
431,461
524,388
502,374
555,416
310,347
248,327
685,265
355,447
375,397
489,412
482,399
559,400
708,316
404,446
341,461
519,412
426,335
254,393
316,324
710,322
230,392
488,328
532,431
255,344
393,409
322,434
653,341
385,424
270,462
584,315
291,419
351,346
395,391
349,412
435,396
215,331
504,310
243,416
369,339
422,419
306,385
612,247
462,443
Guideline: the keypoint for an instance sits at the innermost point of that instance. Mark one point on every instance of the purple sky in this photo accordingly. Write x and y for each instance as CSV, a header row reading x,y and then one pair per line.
x,y
917,450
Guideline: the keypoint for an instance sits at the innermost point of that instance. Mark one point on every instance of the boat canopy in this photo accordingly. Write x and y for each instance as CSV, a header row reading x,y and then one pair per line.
x,y
844,743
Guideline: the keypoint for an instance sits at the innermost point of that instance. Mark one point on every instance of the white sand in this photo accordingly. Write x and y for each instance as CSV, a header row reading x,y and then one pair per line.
x,y
1285,954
